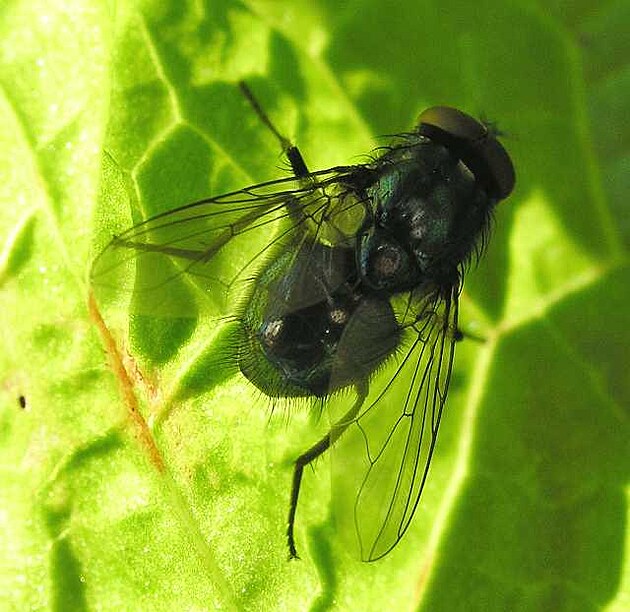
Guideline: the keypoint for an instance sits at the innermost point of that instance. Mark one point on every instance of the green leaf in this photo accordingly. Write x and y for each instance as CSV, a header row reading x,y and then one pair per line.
x,y
140,473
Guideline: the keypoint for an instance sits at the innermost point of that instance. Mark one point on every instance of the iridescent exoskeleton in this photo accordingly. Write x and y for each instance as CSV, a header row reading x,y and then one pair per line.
x,y
361,266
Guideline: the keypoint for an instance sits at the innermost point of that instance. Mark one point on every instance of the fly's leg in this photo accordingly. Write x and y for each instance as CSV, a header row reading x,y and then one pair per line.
x,y
292,153
290,150
300,463
318,449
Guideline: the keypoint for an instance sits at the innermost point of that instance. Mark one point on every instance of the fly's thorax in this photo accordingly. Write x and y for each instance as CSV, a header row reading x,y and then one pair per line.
x,y
431,205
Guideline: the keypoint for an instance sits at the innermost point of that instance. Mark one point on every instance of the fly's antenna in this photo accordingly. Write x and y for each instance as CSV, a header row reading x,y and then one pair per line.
x,y
290,150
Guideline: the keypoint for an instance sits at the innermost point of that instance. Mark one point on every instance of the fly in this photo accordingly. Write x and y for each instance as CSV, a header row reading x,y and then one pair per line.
x,y
363,266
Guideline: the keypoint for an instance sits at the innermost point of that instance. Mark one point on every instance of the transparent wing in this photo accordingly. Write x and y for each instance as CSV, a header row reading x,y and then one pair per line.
x,y
201,249
399,424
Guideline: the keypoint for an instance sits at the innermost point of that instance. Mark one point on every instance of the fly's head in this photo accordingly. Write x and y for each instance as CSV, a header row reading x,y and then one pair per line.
x,y
475,144
479,154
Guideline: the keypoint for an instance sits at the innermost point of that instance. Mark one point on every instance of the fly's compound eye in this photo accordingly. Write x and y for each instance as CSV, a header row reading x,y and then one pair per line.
x,y
474,144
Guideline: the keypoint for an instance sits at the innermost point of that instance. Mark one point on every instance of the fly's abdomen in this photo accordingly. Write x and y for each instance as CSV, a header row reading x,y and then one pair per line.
x,y
301,345
296,346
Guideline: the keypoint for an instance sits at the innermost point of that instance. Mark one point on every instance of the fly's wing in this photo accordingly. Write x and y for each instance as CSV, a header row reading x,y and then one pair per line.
x,y
398,423
193,255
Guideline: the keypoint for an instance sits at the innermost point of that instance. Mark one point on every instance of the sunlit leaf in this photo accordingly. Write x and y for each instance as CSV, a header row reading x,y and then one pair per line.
x,y
146,483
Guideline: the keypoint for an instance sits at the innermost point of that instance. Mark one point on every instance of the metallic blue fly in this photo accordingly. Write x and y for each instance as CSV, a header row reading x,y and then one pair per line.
x,y
360,266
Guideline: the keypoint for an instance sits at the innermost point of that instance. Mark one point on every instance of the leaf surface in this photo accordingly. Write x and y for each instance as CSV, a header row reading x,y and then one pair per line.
x,y
159,481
